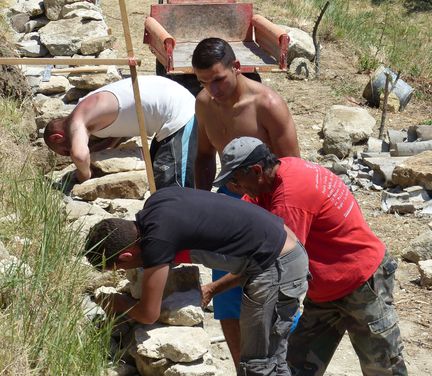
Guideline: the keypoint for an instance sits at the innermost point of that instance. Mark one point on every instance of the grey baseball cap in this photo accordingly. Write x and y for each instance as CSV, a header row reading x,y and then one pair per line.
x,y
240,152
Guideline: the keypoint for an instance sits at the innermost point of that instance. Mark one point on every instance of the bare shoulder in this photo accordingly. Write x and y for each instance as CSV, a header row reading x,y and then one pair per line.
x,y
266,98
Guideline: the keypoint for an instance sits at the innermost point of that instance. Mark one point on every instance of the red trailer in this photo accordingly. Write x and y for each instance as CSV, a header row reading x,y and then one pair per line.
x,y
173,29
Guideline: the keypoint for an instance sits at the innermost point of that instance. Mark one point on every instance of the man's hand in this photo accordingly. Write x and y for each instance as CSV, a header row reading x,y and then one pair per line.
x,y
82,176
227,282
207,293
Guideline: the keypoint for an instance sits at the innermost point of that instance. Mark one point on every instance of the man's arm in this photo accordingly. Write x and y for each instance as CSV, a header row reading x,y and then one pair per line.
x,y
227,282
79,150
205,163
93,113
147,309
274,115
98,144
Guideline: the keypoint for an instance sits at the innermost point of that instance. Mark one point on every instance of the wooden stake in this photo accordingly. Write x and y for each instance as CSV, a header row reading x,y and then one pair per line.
x,y
384,109
315,40
138,107
62,61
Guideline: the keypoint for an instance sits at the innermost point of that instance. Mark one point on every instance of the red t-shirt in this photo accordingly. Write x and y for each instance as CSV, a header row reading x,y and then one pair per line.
x,y
319,208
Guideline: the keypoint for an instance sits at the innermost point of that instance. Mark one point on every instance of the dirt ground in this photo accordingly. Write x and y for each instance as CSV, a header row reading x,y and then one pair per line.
x,y
340,83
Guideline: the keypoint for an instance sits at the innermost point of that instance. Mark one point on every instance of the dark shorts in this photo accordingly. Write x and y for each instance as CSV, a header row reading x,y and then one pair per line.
x,y
173,158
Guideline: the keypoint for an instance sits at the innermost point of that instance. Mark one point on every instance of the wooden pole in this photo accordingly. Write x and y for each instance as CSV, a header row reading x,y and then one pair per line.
x,y
62,61
384,109
138,107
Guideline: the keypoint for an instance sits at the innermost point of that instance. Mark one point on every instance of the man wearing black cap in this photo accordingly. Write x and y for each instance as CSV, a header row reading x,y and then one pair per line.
x,y
352,274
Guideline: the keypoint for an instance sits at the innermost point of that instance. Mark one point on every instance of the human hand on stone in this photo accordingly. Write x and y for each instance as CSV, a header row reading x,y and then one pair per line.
x,y
207,293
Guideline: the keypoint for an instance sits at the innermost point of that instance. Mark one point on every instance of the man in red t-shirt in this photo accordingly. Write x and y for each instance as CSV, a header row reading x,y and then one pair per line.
x,y
352,274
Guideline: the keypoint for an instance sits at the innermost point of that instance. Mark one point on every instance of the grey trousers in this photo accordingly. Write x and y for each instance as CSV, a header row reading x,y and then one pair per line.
x,y
269,304
369,317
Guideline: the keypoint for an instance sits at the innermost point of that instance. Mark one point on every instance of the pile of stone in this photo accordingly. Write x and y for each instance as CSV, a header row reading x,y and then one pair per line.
x,y
363,161
58,29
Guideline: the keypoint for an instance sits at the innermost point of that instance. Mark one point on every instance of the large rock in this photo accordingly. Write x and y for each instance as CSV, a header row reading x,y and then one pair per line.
x,y
337,141
420,248
32,8
96,80
125,208
111,161
425,268
64,37
76,209
30,48
55,85
384,166
94,46
416,170
301,69
191,370
182,308
53,8
355,121
83,5
180,278
123,184
176,343
300,44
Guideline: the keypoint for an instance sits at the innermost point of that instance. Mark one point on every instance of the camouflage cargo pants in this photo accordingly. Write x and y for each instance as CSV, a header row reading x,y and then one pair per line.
x,y
369,317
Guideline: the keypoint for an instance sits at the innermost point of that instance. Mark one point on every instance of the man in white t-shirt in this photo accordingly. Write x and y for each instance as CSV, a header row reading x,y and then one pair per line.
x,y
108,114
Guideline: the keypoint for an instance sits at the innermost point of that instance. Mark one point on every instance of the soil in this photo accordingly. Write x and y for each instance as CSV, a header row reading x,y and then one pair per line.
x,y
340,83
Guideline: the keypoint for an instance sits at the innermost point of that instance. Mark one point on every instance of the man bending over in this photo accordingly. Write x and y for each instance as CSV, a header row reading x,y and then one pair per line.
x,y
108,114
253,244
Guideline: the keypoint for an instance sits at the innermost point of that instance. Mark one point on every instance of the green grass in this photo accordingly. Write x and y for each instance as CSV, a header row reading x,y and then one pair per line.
x,y
43,329
396,33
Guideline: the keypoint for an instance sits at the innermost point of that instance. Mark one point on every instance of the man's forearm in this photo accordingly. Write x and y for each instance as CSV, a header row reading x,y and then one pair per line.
x,y
123,303
205,172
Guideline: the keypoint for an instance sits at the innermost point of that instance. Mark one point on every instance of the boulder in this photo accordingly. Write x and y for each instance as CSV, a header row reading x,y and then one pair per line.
x,y
420,248
32,8
35,24
94,46
425,268
125,208
191,370
128,184
172,342
300,44
94,81
83,5
182,308
49,109
18,22
355,121
301,69
111,161
55,85
64,37
76,209
337,141
416,170
31,48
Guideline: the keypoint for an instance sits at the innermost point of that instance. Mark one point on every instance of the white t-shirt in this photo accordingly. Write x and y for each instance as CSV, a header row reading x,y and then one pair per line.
x,y
167,107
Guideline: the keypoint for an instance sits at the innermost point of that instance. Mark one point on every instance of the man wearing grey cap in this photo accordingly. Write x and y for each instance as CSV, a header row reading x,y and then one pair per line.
x,y
352,273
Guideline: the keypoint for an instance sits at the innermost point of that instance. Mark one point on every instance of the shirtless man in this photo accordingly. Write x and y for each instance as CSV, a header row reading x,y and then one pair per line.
x,y
232,106
107,114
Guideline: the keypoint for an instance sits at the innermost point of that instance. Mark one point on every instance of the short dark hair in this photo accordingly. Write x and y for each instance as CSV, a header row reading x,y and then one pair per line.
x,y
211,51
107,239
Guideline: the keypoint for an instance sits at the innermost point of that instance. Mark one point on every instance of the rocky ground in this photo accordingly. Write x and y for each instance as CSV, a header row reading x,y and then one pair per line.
x,y
340,83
